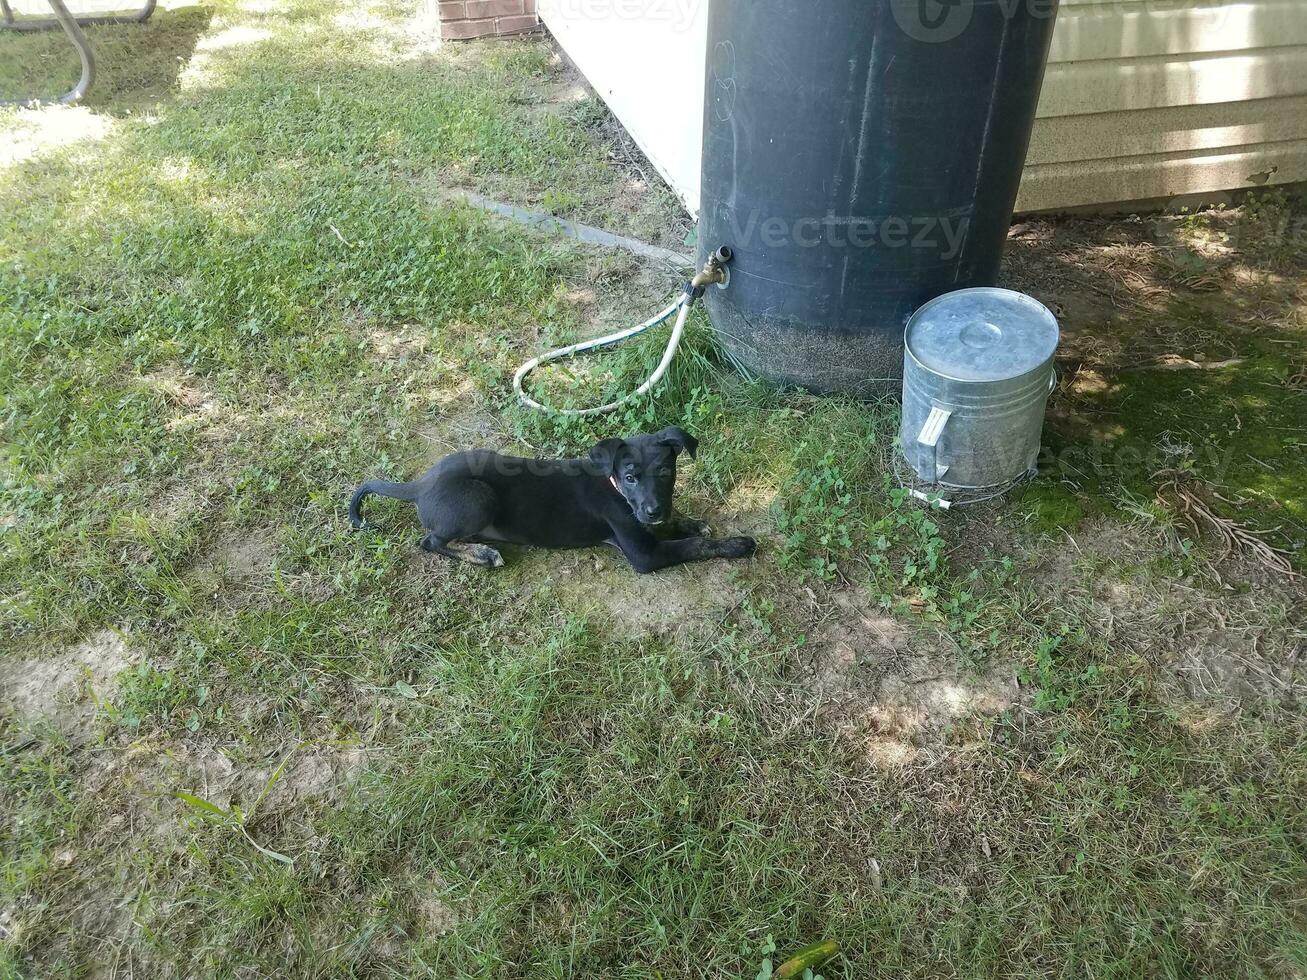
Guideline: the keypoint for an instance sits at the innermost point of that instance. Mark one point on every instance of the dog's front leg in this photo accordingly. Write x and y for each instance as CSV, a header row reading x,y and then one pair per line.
x,y
647,554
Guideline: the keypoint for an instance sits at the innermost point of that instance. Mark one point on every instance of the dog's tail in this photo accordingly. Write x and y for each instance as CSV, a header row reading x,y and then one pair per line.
x,y
400,491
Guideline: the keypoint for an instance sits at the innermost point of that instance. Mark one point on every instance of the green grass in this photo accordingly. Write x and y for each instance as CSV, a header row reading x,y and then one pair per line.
x,y
246,292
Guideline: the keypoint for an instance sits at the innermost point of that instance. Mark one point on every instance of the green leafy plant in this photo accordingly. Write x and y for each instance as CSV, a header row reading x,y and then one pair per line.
x,y
814,516
906,549
237,818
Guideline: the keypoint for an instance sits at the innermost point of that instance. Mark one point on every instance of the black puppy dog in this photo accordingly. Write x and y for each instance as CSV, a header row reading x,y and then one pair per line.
x,y
471,500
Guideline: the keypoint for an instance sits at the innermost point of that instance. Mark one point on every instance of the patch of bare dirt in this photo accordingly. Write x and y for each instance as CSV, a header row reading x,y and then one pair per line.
x,y
133,787
316,773
8,925
664,603
746,510
179,387
311,773
398,343
311,587
1234,638
457,420
243,555
137,784
191,403
65,686
432,914
893,691
177,503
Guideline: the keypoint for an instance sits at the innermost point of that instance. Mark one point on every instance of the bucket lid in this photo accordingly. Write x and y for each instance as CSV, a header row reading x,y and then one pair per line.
x,y
982,334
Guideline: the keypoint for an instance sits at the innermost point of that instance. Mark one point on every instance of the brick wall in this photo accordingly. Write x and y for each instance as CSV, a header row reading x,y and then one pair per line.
x,y
463,19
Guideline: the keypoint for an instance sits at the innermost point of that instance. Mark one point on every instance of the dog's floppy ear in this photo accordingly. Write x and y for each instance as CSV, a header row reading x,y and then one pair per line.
x,y
604,454
675,436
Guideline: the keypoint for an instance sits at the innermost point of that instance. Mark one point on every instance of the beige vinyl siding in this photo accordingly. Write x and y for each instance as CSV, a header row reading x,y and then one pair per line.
x,y
1150,99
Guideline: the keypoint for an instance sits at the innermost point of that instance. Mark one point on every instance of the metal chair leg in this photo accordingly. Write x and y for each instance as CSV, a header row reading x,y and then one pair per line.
x,y
78,92
50,23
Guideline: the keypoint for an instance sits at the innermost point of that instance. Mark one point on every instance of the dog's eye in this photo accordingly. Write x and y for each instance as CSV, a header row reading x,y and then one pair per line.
x,y
630,477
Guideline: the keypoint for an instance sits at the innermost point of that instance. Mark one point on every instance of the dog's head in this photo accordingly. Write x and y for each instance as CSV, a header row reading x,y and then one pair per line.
x,y
643,468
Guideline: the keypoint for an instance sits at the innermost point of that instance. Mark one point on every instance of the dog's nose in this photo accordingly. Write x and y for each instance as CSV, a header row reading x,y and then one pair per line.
x,y
650,511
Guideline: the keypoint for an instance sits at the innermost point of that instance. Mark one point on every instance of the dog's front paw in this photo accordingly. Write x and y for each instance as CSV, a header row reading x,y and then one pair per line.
x,y
738,547
692,527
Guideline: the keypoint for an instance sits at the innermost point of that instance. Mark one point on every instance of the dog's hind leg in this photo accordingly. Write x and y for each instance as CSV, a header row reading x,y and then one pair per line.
x,y
455,512
474,554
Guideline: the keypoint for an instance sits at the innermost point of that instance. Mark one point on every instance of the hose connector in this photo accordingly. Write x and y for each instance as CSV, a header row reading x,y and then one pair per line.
x,y
714,270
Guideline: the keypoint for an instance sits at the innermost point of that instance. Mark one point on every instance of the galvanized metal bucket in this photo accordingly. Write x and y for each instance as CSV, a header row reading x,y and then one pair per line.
x,y
977,372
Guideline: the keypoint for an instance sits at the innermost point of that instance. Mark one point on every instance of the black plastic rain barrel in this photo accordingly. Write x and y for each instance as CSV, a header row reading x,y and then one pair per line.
x,y
861,157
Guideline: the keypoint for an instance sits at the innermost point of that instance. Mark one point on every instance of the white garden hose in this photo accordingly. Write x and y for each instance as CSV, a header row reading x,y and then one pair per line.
x,y
714,272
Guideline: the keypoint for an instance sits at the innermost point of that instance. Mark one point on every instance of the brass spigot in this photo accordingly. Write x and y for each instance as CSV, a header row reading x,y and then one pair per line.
x,y
714,270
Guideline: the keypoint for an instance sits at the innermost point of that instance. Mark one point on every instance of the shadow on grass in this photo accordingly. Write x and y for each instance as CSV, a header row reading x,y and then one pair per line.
x,y
1182,348
137,65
